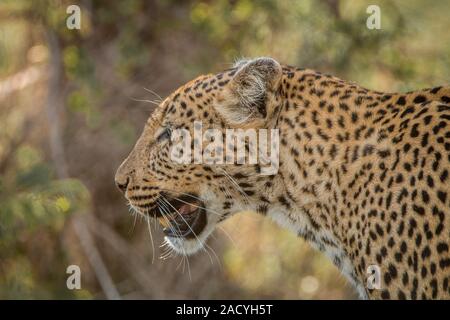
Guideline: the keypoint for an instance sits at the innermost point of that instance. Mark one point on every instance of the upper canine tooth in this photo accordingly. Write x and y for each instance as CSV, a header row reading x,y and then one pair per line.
x,y
185,209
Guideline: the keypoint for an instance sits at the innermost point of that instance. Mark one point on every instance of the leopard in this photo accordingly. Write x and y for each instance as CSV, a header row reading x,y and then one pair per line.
x,y
363,175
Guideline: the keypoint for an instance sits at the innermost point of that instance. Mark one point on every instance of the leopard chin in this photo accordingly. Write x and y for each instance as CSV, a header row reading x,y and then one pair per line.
x,y
188,246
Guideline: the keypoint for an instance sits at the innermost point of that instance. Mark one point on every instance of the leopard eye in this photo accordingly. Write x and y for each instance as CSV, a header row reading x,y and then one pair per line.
x,y
165,135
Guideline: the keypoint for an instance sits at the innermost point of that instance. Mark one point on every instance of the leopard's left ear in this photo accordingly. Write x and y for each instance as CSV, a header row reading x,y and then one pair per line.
x,y
251,95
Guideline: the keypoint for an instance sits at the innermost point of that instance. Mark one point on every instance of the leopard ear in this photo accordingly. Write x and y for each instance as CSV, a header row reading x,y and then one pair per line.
x,y
251,94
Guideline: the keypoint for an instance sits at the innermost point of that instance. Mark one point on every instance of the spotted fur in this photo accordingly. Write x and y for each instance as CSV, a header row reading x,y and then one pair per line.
x,y
364,175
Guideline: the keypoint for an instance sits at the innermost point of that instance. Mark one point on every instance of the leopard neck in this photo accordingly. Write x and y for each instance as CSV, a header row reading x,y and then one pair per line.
x,y
328,132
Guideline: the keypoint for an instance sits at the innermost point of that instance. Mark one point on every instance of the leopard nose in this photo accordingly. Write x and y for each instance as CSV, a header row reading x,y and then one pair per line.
x,y
122,185
122,178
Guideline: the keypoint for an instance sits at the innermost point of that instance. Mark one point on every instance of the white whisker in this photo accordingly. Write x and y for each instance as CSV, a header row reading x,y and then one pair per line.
x,y
145,100
151,239
154,93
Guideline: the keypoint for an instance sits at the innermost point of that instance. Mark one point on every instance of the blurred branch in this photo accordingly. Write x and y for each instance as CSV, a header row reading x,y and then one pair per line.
x,y
20,80
14,15
135,264
55,106
333,6
95,259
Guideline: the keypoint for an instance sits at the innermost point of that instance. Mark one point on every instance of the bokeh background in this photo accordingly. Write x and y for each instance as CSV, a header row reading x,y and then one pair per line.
x,y
73,102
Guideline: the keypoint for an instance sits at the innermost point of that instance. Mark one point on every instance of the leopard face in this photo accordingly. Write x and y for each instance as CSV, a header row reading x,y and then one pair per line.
x,y
190,198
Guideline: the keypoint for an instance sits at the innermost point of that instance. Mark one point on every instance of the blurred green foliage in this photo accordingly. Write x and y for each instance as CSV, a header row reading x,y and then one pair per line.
x,y
32,202
32,197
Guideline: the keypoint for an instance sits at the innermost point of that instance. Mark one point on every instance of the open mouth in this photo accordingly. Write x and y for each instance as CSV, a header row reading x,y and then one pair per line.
x,y
184,217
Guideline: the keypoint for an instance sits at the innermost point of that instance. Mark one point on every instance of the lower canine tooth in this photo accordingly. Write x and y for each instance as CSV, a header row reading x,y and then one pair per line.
x,y
163,222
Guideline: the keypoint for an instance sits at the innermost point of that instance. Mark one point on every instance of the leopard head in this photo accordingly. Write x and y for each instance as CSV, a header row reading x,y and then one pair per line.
x,y
190,191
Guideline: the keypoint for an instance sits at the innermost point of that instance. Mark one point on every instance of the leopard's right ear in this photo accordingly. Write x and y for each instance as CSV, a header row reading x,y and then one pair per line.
x,y
250,95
